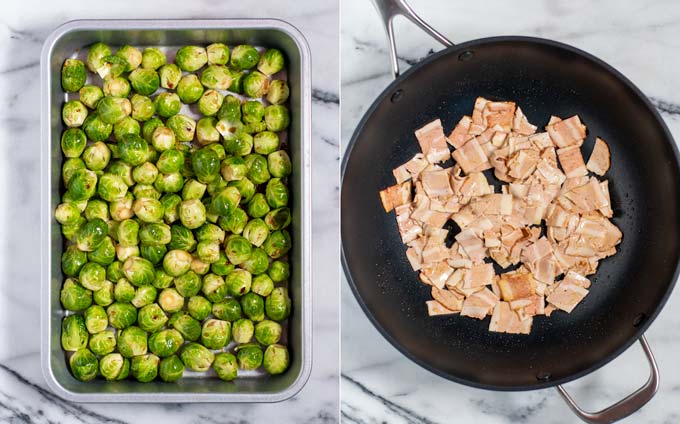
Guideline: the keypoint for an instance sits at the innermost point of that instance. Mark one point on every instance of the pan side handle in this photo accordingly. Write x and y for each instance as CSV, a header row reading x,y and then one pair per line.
x,y
390,9
626,406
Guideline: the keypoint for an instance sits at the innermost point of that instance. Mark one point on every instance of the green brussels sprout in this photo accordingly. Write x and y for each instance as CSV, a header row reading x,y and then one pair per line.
x,y
270,62
73,75
170,204
218,54
236,81
276,117
278,219
156,233
206,164
245,187
128,232
191,58
67,213
114,271
122,209
176,262
210,232
186,325
171,369
113,109
249,356
255,127
169,183
96,156
114,367
262,285
255,84
74,113
125,126
193,190
132,341
199,267
215,333
221,266
183,126
75,297
206,133
103,342
199,307
132,56
167,104
144,81
104,254
278,92
181,239
276,193
268,332
244,57
144,368
121,315
226,201
189,89
149,127
84,365
192,213
225,366
143,108
90,95
74,334
215,187
238,249
253,111
163,280
276,359
116,87
153,253
111,187
258,206
230,111
97,209
145,173
153,58
277,304
163,139
277,244
112,67
104,296
256,232
235,222
133,149
144,296
148,210
170,161
230,131
73,142
170,74
70,231
151,318
142,191
96,320
233,168
188,284
92,234
197,357
279,164
253,306
122,170
258,171
216,77
214,288
95,128
165,343
238,282
125,252
123,291
96,55
228,310
138,271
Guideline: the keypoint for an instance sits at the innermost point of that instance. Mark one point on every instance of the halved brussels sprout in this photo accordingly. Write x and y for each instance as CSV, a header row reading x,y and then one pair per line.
x,y
215,333
112,67
165,342
206,132
73,75
189,89
225,366
74,334
90,95
216,77
244,57
113,109
144,368
132,56
255,84
277,304
278,92
191,58
74,113
73,142
121,315
171,369
197,357
116,87
144,296
84,365
75,297
103,342
183,127
278,219
253,306
249,356
114,367
143,108
279,164
238,282
170,74
262,284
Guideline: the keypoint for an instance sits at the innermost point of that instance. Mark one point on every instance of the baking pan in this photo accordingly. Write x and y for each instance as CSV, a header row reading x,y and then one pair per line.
x,y
67,41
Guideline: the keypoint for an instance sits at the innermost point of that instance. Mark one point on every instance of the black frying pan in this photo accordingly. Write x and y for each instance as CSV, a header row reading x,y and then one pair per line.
x,y
544,77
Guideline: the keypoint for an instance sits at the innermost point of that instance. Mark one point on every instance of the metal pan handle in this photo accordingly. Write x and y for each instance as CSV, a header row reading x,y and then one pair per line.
x,y
390,9
626,406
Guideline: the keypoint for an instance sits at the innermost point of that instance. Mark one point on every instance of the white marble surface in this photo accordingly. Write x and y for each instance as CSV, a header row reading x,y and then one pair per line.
x,y
641,39
23,394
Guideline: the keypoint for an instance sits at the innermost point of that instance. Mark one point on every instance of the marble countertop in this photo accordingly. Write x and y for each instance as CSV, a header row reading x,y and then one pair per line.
x,y
641,39
23,393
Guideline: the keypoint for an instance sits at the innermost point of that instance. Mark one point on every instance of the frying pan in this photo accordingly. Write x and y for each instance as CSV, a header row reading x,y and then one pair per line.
x,y
544,77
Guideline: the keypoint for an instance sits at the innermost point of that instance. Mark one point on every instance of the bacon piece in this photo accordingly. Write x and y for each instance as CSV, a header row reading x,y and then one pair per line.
x,y
541,141
479,275
479,304
435,308
471,157
499,115
478,124
568,132
521,124
516,286
396,195
414,257
566,296
437,274
410,169
449,299
408,228
522,163
433,142
437,183
600,158
505,320
472,244
572,161
460,133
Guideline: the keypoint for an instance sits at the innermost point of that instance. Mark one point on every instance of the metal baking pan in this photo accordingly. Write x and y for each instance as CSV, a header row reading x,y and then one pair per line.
x,y
66,41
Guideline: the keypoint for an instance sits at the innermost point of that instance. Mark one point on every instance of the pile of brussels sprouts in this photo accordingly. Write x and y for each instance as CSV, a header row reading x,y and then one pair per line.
x,y
176,229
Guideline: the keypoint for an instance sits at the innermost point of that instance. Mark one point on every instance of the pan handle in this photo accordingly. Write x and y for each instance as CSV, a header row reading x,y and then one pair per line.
x,y
390,9
626,406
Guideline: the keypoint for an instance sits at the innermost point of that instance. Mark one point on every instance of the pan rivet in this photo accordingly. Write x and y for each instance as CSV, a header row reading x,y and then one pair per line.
x,y
397,95
466,55
639,319
543,376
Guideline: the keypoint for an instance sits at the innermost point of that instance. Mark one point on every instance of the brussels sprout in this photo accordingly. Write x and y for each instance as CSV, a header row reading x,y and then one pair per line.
x,y
268,332
170,300
73,142
183,127
226,201
231,131
206,164
277,244
238,249
104,254
228,310
230,111
143,108
125,126
245,187
278,219
235,222
132,56
218,54
92,234
90,95
214,188
258,207
67,213
262,285
152,252
167,104
104,296
255,84
276,359
233,168
258,171
210,232
138,271
74,334
277,304
170,161
73,75
221,267
276,117
122,209
95,56
114,367
153,58
111,110
144,295
145,191
144,368
95,128
236,81
148,210
122,170
155,233
279,164
199,307
111,187
253,111
253,306
149,127
238,282
125,252
189,89
150,317
206,133
193,190
270,62
188,284
192,213
249,356
128,232
170,204
277,193
170,75
112,67
244,57
255,127
114,271
278,92
74,113
182,239
171,369
144,81
191,58
102,343
225,366
133,149
186,325
256,232
132,341
96,320
163,280
116,87
200,267
121,315
84,365
96,156
214,288
215,333
123,291
70,231
197,357
145,173
169,183
97,209
75,297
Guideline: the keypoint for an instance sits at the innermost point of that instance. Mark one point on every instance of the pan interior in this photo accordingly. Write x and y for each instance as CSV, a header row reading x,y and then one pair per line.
x,y
629,288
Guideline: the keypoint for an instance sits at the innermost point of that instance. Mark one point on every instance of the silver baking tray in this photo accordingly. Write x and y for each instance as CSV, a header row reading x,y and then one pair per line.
x,y
67,41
